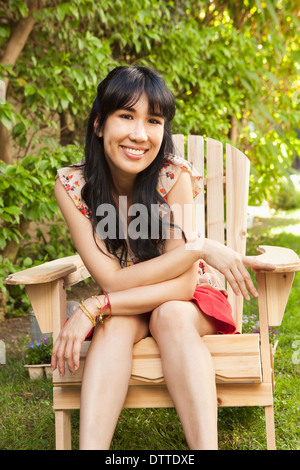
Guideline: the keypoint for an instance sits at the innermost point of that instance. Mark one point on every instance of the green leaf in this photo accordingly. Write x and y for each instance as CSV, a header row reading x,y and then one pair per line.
x,y
6,217
13,210
27,262
29,90
6,122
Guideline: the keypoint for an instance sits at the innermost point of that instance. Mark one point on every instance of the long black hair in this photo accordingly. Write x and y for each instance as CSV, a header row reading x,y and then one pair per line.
x,y
123,87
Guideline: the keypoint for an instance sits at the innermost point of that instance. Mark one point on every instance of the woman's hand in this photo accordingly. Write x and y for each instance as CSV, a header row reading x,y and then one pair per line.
x,y
68,344
232,265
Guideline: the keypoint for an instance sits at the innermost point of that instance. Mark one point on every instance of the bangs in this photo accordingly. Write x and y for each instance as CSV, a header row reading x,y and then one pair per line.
x,y
126,87
161,101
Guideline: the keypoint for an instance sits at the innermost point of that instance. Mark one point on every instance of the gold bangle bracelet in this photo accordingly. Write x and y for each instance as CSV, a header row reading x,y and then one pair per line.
x,y
100,314
97,298
87,313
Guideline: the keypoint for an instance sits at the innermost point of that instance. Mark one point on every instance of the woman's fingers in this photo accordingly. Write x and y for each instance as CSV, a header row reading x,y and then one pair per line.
x,y
239,278
251,287
237,283
53,358
76,354
242,279
69,356
255,264
61,356
234,266
66,352
242,282
68,344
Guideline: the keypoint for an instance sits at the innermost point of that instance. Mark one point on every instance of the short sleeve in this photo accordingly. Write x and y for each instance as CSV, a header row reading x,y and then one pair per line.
x,y
171,169
73,181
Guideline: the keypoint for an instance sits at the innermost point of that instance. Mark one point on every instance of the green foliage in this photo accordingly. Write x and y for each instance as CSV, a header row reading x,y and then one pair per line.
x,y
287,196
27,196
222,60
27,189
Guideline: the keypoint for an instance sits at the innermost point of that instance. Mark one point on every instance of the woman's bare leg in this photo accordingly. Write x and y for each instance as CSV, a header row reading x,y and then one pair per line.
x,y
188,369
106,376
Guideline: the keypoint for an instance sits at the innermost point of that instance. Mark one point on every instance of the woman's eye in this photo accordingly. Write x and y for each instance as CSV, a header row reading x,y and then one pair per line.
x,y
126,116
154,121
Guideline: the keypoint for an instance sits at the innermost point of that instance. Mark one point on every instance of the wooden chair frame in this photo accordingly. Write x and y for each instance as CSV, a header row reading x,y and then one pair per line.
x,y
243,362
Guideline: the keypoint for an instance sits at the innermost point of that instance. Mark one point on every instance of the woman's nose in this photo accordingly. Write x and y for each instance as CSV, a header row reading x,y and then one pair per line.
x,y
139,132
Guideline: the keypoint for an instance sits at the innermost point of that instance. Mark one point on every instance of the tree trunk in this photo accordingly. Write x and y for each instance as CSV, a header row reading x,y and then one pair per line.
x,y
19,37
67,131
13,49
12,247
5,149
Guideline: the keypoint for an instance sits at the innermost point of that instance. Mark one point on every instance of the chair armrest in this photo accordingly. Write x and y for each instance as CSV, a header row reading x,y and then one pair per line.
x,y
285,259
274,286
70,268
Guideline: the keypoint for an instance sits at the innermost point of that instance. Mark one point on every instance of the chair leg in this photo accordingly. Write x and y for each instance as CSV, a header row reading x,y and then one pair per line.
x,y
270,427
63,430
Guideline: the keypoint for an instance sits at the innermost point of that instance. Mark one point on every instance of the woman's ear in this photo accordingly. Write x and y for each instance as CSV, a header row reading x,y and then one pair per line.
x,y
97,128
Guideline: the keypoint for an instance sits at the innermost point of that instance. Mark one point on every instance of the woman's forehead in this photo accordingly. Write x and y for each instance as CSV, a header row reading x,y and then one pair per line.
x,y
141,102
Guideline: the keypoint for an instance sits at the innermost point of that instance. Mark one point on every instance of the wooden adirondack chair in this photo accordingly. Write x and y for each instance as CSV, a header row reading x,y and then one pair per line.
x,y
243,362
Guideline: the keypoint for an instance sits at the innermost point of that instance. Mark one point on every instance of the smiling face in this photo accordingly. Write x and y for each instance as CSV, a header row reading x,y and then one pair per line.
x,y
131,138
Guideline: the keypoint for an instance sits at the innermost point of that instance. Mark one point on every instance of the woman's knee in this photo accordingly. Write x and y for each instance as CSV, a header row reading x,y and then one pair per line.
x,y
168,319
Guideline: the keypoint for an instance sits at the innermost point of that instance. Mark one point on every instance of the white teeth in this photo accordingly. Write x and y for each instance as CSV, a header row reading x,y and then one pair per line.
x,y
134,151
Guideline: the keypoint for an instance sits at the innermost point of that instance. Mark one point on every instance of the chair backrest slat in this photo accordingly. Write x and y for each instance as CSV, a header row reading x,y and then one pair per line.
x,y
178,141
237,193
210,205
214,191
195,153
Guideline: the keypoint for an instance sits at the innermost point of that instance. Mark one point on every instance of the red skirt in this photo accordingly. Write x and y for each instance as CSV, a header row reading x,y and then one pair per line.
x,y
215,304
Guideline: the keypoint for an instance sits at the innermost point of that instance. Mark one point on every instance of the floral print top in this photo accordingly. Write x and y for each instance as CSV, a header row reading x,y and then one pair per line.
x,y
73,181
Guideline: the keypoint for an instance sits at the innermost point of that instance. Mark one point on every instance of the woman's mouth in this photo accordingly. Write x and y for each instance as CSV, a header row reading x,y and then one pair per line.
x,y
134,153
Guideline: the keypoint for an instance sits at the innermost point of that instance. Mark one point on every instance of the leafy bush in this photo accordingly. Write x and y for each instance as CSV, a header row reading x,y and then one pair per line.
x,y
287,196
27,196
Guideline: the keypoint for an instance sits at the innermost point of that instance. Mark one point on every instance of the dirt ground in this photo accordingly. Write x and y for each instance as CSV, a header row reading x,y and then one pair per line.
x,y
13,331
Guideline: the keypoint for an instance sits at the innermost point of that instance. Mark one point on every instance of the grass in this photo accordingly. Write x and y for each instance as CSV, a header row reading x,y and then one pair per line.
x,y
27,420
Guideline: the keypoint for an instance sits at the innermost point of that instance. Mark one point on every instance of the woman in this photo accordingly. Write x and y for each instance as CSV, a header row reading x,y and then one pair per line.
x,y
153,283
